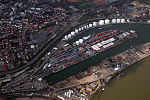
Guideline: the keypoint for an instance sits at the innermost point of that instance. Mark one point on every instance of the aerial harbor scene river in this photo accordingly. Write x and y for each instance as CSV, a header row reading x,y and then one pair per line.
x,y
143,37
74,50
143,34
135,84
136,74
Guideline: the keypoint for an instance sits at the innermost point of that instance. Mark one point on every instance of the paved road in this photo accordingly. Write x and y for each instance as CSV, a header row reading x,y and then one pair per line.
x,y
50,45
52,42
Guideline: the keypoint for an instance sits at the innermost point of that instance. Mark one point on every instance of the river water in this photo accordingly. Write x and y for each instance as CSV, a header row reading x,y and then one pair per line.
x,y
135,85
143,31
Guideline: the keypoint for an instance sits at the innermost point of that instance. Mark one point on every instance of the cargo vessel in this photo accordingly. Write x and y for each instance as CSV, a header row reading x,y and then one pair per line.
x,y
87,47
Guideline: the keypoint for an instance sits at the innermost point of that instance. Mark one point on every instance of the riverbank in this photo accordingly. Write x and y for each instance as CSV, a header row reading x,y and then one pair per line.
x,y
85,83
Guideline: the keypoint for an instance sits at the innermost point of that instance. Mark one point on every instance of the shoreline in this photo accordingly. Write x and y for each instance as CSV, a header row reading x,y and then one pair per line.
x,y
89,84
116,74
98,65
103,50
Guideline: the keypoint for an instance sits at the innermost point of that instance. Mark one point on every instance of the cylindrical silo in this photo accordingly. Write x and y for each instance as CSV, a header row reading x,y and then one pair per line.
x,y
72,33
80,41
69,35
80,29
94,23
77,43
90,25
107,21
66,37
122,20
76,30
101,22
118,20
114,21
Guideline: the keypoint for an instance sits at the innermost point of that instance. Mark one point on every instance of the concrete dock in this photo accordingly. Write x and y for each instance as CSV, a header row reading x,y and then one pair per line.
x,y
82,85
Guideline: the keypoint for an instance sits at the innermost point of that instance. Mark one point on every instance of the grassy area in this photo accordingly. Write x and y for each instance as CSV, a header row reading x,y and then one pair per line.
x,y
86,6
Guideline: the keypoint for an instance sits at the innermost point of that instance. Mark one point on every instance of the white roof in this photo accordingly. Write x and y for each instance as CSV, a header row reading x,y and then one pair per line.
x,y
73,33
101,22
99,44
69,35
32,46
77,42
94,23
114,20
90,25
122,20
107,21
76,30
118,20
80,29
116,68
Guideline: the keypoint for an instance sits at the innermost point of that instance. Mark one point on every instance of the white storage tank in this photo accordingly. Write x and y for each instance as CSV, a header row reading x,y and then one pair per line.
x,y
84,38
69,35
73,33
122,20
38,8
107,21
77,42
66,37
76,30
114,21
80,29
85,27
101,22
94,23
90,25
80,41
118,20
